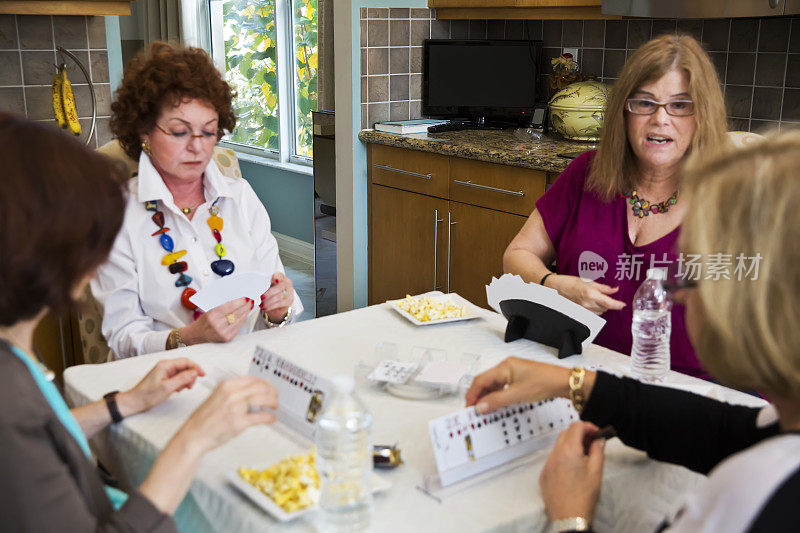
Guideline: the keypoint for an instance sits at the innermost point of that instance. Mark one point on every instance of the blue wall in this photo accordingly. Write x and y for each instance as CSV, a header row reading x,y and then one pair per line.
x,y
288,197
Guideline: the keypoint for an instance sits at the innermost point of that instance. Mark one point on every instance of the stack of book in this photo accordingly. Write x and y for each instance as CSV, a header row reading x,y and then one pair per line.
x,y
404,127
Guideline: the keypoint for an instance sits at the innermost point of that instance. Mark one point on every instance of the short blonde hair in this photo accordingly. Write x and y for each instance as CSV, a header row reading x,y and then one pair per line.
x,y
748,202
613,168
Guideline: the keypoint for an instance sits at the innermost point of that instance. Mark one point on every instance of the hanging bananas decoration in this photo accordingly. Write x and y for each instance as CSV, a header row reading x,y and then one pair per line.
x,y
64,110
58,107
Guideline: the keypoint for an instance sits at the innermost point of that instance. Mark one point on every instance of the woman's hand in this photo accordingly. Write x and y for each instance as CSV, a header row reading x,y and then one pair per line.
x,y
589,294
164,379
571,478
221,324
517,380
235,405
278,299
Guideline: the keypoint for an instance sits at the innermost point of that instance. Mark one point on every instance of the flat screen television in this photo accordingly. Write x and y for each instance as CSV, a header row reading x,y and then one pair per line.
x,y
480,80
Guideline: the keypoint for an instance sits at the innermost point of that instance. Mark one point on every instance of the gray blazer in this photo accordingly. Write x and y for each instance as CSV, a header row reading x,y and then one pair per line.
x,y
46,481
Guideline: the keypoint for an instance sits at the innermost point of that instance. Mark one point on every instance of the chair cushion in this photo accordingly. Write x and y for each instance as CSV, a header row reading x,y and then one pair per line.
x,y
225,158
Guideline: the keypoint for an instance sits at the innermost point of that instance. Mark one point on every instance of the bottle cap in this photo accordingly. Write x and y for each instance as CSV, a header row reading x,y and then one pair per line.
x,y
344,384
656,273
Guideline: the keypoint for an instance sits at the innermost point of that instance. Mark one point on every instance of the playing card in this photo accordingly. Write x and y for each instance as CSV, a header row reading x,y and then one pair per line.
x,y
391,371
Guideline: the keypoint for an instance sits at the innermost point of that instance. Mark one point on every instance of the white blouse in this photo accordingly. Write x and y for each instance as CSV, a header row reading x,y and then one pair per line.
x,y
138,294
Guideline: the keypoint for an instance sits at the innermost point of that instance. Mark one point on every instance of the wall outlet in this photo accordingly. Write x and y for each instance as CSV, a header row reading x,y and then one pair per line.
x,y
574,52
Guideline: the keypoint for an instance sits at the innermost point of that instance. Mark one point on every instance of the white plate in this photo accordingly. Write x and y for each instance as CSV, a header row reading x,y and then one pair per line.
x,y
265,502
472,311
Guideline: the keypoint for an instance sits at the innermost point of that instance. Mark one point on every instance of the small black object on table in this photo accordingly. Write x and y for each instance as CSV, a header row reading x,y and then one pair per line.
x,y
542,324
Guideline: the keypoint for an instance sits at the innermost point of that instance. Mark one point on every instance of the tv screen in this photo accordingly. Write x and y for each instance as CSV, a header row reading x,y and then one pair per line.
x,y
493,79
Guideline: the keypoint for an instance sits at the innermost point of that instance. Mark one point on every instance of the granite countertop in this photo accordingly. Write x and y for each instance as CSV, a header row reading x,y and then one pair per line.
x,y
507,147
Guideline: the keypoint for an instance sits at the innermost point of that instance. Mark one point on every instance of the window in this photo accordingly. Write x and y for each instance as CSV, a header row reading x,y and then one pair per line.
x,y
268,51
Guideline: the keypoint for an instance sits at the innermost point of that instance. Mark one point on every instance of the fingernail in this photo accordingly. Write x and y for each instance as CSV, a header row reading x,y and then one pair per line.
x,y
482,408
252,303
263,297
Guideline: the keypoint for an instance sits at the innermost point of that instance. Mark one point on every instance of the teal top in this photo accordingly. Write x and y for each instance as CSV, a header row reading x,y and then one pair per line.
x,y
53,397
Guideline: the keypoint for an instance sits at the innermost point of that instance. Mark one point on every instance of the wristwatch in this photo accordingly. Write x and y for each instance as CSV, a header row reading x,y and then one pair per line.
x,y
575,523
111,403
174,340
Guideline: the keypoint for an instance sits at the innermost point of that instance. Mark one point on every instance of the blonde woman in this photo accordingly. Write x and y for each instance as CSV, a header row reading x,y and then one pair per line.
x,y
622,204
746,334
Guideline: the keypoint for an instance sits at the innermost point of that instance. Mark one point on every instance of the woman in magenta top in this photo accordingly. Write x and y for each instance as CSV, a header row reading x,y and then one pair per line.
x,y
666,103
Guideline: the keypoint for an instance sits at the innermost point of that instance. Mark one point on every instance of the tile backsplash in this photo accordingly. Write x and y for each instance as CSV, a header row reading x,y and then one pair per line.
x,y
757,59
27,58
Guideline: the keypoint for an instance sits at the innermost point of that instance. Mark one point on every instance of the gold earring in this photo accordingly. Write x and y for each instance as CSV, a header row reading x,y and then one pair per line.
x,y
146,148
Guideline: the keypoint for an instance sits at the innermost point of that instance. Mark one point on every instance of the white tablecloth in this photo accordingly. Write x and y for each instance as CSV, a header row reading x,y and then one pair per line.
x,y
637,492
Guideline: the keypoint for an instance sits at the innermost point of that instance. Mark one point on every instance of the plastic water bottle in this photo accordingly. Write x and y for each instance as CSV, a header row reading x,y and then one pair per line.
x,y
344,460
651,328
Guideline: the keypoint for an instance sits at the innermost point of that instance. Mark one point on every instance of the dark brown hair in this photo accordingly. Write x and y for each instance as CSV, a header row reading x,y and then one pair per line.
x,y
161,75
61,206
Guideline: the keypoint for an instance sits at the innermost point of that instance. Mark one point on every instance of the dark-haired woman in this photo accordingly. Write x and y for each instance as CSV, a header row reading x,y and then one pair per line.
x,y
61,214
186,225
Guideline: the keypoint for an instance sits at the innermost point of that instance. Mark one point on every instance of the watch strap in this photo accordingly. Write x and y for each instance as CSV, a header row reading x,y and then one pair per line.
x,y
575,523
113,409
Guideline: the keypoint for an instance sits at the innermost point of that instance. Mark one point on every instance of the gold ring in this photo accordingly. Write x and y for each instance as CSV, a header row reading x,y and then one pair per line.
x,y
285,293
231,318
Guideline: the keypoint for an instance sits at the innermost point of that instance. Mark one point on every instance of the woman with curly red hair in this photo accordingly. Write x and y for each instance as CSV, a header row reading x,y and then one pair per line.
x,y
186,225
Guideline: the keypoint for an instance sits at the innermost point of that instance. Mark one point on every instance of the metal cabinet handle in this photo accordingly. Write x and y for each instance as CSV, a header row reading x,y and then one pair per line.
x,y
773,4
436,221
406,172
468,183
450,224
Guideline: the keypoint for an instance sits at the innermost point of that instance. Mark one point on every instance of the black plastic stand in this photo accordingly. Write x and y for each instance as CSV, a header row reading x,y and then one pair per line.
x,y
539,323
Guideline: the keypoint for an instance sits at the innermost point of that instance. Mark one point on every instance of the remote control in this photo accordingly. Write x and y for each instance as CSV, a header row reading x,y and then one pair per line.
x,y
448,126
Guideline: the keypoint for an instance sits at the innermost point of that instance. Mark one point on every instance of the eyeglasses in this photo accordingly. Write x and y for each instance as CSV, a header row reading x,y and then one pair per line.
x,y
677,291
645,106
185,135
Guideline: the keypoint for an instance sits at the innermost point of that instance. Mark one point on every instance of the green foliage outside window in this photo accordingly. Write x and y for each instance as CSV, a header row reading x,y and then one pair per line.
x,y
251,68
306,54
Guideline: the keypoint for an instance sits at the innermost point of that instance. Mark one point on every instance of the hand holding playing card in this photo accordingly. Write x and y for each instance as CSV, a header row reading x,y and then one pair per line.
x,y
278,298
518,380
571,478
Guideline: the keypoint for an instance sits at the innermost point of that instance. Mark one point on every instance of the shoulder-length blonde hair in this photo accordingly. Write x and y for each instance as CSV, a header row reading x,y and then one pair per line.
x,y
747,202
613,168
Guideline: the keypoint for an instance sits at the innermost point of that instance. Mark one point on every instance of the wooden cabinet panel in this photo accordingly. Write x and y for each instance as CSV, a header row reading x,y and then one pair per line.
x,y
478,238
410,170
472,3
510,189
556,3
513,3
66,7
405,228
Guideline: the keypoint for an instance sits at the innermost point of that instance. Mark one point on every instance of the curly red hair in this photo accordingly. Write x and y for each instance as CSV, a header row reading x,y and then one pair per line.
x,y
166,74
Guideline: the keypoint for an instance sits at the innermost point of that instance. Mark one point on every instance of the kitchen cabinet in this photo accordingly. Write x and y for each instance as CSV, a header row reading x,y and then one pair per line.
x,y
65,7
519,9
407,243
438,222
477,239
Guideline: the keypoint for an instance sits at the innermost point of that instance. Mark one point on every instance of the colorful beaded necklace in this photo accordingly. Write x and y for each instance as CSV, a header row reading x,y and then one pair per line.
x,y
221,267
642,208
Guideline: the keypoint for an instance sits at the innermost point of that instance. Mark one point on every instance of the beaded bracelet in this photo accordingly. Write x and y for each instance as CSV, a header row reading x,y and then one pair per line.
x,y
278,324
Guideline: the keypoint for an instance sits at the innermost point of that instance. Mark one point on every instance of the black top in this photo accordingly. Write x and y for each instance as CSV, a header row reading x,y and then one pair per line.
x,y
760,486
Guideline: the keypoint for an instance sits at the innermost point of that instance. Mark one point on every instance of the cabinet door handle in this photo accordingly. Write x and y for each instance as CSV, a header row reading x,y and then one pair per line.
x,y
436,221
469,183
406,172
450,224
